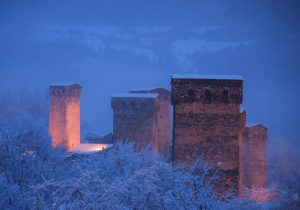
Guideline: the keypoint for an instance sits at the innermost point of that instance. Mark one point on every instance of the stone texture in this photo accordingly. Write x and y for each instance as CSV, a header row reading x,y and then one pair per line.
x,y
254,156
64,119
207,122
143,121
163,118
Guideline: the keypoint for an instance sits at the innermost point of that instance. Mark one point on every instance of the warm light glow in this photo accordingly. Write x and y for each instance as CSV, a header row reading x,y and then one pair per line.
x,y
64,118
83,148
261,194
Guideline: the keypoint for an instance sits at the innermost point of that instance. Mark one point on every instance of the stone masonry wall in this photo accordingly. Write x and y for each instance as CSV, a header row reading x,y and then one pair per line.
x,y
135,120
64,118
208,123
255,139
163,119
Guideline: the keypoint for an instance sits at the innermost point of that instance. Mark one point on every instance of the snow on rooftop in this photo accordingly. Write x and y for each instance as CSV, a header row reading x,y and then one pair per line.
x,y
64,84
252,124
242,108
135,95
207,76
84,148
144,89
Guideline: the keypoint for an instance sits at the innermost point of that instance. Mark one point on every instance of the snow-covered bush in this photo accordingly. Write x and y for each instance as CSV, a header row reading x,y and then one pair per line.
x,y
33,175
124,179
25,155
262,194
283,168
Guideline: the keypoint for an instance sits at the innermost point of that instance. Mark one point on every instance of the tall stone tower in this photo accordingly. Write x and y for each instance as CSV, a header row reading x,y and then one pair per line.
x,y
254,155
207,122
64,119
143,117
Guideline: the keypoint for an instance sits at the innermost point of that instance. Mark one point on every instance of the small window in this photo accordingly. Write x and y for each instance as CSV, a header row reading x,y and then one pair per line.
x,y
191,95
132,104
225,96
207,96
143,105
123,104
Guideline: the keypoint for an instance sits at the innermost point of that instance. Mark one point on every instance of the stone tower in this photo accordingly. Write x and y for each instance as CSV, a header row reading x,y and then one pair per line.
x,y
64,119
143,117
207,122
254,155
163,118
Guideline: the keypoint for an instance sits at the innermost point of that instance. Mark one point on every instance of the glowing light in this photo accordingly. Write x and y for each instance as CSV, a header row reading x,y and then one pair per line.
x,y
84,148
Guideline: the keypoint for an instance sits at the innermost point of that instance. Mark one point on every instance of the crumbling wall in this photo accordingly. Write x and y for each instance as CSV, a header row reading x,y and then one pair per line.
x,y
64,117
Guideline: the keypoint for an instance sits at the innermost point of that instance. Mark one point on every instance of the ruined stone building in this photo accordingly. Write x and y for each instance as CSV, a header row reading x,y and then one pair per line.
x,y
64,118
143,118
208,122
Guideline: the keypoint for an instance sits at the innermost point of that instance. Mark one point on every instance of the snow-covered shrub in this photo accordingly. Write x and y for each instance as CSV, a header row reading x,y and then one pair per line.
x,y
261,194
121,178
10,194
244,204
26,158
25,155
33,175
283,168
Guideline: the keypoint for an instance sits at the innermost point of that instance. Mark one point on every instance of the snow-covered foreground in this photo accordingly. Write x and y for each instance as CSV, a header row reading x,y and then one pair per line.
x,y
33,175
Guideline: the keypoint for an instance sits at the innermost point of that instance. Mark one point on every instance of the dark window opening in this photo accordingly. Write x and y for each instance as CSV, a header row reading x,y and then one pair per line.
x,y
191,95
132,103
225,96
207,96
123,105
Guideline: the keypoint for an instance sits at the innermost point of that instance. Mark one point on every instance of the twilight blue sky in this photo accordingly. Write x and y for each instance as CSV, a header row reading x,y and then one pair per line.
x,y
113,46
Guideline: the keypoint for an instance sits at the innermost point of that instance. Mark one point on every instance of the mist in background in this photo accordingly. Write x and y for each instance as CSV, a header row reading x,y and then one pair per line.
x,y
115,46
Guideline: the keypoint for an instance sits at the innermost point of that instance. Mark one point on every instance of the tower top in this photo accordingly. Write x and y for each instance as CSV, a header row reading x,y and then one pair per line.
x,y
65,90
134,95
163,94
189,88
61,85
209,76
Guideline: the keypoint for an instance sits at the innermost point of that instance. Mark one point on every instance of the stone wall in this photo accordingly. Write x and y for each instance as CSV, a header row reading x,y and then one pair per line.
x,y
163,118
144,117
207,122
254,149
135,119
64,118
